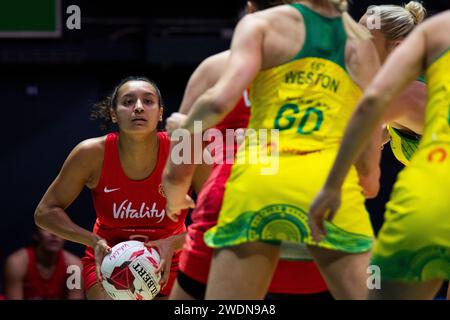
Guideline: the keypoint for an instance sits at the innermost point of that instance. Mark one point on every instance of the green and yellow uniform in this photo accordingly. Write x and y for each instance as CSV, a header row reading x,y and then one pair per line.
x,y
404,145
309,100
414,242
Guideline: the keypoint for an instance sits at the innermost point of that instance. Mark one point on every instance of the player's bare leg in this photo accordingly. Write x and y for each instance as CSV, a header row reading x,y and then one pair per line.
x,y
345,274
96,292
242,272
392,290
178,293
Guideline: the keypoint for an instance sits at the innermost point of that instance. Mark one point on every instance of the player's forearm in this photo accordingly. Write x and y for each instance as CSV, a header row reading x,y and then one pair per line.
x,y
200,177
370,184
206,112
178,241
56,220
180,167
177,178
362,126
368,160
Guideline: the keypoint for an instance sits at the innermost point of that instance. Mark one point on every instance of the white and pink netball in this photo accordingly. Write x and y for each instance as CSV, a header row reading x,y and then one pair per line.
x,y
129,272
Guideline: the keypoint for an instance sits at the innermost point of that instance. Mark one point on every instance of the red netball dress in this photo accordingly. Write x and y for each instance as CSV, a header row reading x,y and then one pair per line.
x,y
35,287
131,210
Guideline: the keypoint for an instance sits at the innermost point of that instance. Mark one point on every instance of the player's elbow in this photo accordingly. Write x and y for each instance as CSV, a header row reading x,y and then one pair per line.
x,y
38,214
372,103
219,106
372,193
42,214
173,176
364,167
217,101
370,183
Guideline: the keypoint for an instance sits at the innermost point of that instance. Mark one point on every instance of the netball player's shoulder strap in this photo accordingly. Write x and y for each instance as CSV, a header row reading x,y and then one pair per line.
x,y
325,36
110,147
111,161
164,143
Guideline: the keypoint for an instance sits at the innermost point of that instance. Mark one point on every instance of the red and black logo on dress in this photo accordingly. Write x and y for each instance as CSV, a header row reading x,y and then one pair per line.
x,y
161,191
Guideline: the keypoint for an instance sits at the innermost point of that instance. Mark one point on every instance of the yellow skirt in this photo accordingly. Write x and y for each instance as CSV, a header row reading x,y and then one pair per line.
x,y
262,204
414,242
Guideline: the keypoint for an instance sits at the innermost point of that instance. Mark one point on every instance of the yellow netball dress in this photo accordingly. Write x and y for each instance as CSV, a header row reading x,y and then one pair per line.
x,y
308,101
404,145
414,242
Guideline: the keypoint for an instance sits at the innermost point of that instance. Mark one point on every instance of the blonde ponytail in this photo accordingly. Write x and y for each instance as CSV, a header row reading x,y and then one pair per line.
x,y
352,28
417,11
398,22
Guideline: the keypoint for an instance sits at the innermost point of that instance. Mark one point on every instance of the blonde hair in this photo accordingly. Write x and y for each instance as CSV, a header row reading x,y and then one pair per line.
x,y
397,22
352,28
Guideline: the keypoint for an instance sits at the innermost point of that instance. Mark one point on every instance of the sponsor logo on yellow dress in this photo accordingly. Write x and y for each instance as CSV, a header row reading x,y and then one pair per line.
x,y
279,223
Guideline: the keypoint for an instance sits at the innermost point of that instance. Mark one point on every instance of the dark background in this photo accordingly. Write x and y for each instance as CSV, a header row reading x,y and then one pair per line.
x,y
48,86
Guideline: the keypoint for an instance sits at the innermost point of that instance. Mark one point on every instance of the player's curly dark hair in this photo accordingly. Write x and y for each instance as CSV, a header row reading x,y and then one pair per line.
x,y
102,109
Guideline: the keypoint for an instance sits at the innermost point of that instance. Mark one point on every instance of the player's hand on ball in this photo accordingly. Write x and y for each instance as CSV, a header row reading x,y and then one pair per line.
x,y
175,121
323,208
166,250
101,249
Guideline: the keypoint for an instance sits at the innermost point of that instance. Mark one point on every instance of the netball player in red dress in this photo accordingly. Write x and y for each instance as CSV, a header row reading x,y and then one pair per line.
x,y
292,279
41,271
123,171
